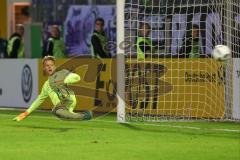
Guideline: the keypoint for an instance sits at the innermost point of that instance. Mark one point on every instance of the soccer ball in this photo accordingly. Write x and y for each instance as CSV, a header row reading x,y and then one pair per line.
x,y
221,53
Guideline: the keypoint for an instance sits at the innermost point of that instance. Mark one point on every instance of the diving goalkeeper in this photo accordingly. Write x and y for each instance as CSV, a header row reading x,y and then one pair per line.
x,y
56,87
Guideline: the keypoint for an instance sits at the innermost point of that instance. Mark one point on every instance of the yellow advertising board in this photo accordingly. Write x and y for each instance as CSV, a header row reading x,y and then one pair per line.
x,y
174,87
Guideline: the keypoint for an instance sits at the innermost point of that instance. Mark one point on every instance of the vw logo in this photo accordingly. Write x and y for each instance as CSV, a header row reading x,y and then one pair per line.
x,y
27,83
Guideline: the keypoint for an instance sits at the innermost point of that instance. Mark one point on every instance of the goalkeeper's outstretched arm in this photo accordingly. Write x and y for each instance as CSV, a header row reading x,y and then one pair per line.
x,y
70,79
40,99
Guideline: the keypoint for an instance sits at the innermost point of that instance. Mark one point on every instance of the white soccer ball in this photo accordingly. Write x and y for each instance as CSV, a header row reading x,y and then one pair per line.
x,y
221,53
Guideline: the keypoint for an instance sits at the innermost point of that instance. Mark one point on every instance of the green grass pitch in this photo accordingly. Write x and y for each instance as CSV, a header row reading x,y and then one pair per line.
x,y
43,137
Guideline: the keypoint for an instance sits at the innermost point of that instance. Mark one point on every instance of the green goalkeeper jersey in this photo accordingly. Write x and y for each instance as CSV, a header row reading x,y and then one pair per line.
x,y
56,88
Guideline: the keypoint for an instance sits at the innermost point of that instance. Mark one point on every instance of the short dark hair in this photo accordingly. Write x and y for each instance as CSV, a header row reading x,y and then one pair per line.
x,y
99,19
195,26
143,24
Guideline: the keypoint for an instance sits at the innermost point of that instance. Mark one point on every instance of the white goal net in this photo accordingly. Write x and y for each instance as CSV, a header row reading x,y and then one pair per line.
x,y
167,71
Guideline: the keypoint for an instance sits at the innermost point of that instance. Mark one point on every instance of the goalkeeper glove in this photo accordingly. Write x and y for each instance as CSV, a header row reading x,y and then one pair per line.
x,y
21,116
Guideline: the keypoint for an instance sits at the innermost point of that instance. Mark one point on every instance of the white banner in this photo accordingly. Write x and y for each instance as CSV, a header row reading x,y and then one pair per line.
x,y
18,82
236,88
80,24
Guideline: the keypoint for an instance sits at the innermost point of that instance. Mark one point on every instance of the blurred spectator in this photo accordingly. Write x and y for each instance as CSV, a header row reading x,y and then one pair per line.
x,y
99,41
3,48
144,44
191,46
55,45
15,47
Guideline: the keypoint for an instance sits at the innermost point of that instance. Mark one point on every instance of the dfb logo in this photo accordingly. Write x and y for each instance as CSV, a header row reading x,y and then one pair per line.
x,y
27,83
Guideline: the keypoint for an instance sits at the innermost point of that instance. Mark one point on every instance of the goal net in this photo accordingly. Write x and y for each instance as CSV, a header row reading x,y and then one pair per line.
x,y
165,66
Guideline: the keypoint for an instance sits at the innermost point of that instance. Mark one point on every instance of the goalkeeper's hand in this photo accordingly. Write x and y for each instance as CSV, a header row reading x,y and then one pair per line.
x,y
21,116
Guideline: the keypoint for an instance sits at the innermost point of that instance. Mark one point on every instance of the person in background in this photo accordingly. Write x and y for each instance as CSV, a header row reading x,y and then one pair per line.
x,y
144,44
191,47
99,40
3,48
15,46
55,45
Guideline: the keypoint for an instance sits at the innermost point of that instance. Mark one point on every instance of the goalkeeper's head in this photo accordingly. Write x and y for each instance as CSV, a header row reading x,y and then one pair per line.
x,y
49,65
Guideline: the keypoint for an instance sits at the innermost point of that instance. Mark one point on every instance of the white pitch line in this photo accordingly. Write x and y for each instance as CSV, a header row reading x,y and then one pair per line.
x,y
226,130
174,126
148,124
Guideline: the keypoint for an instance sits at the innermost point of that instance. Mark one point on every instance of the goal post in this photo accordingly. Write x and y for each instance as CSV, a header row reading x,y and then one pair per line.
x,y
165,69
120,62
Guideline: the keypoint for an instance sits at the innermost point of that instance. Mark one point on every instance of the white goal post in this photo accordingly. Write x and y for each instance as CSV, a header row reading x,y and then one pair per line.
x,y
120,62
165,69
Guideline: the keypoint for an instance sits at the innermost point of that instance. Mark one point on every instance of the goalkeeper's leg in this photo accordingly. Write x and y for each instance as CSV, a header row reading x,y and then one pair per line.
x,y
65,112
87,114
72,104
